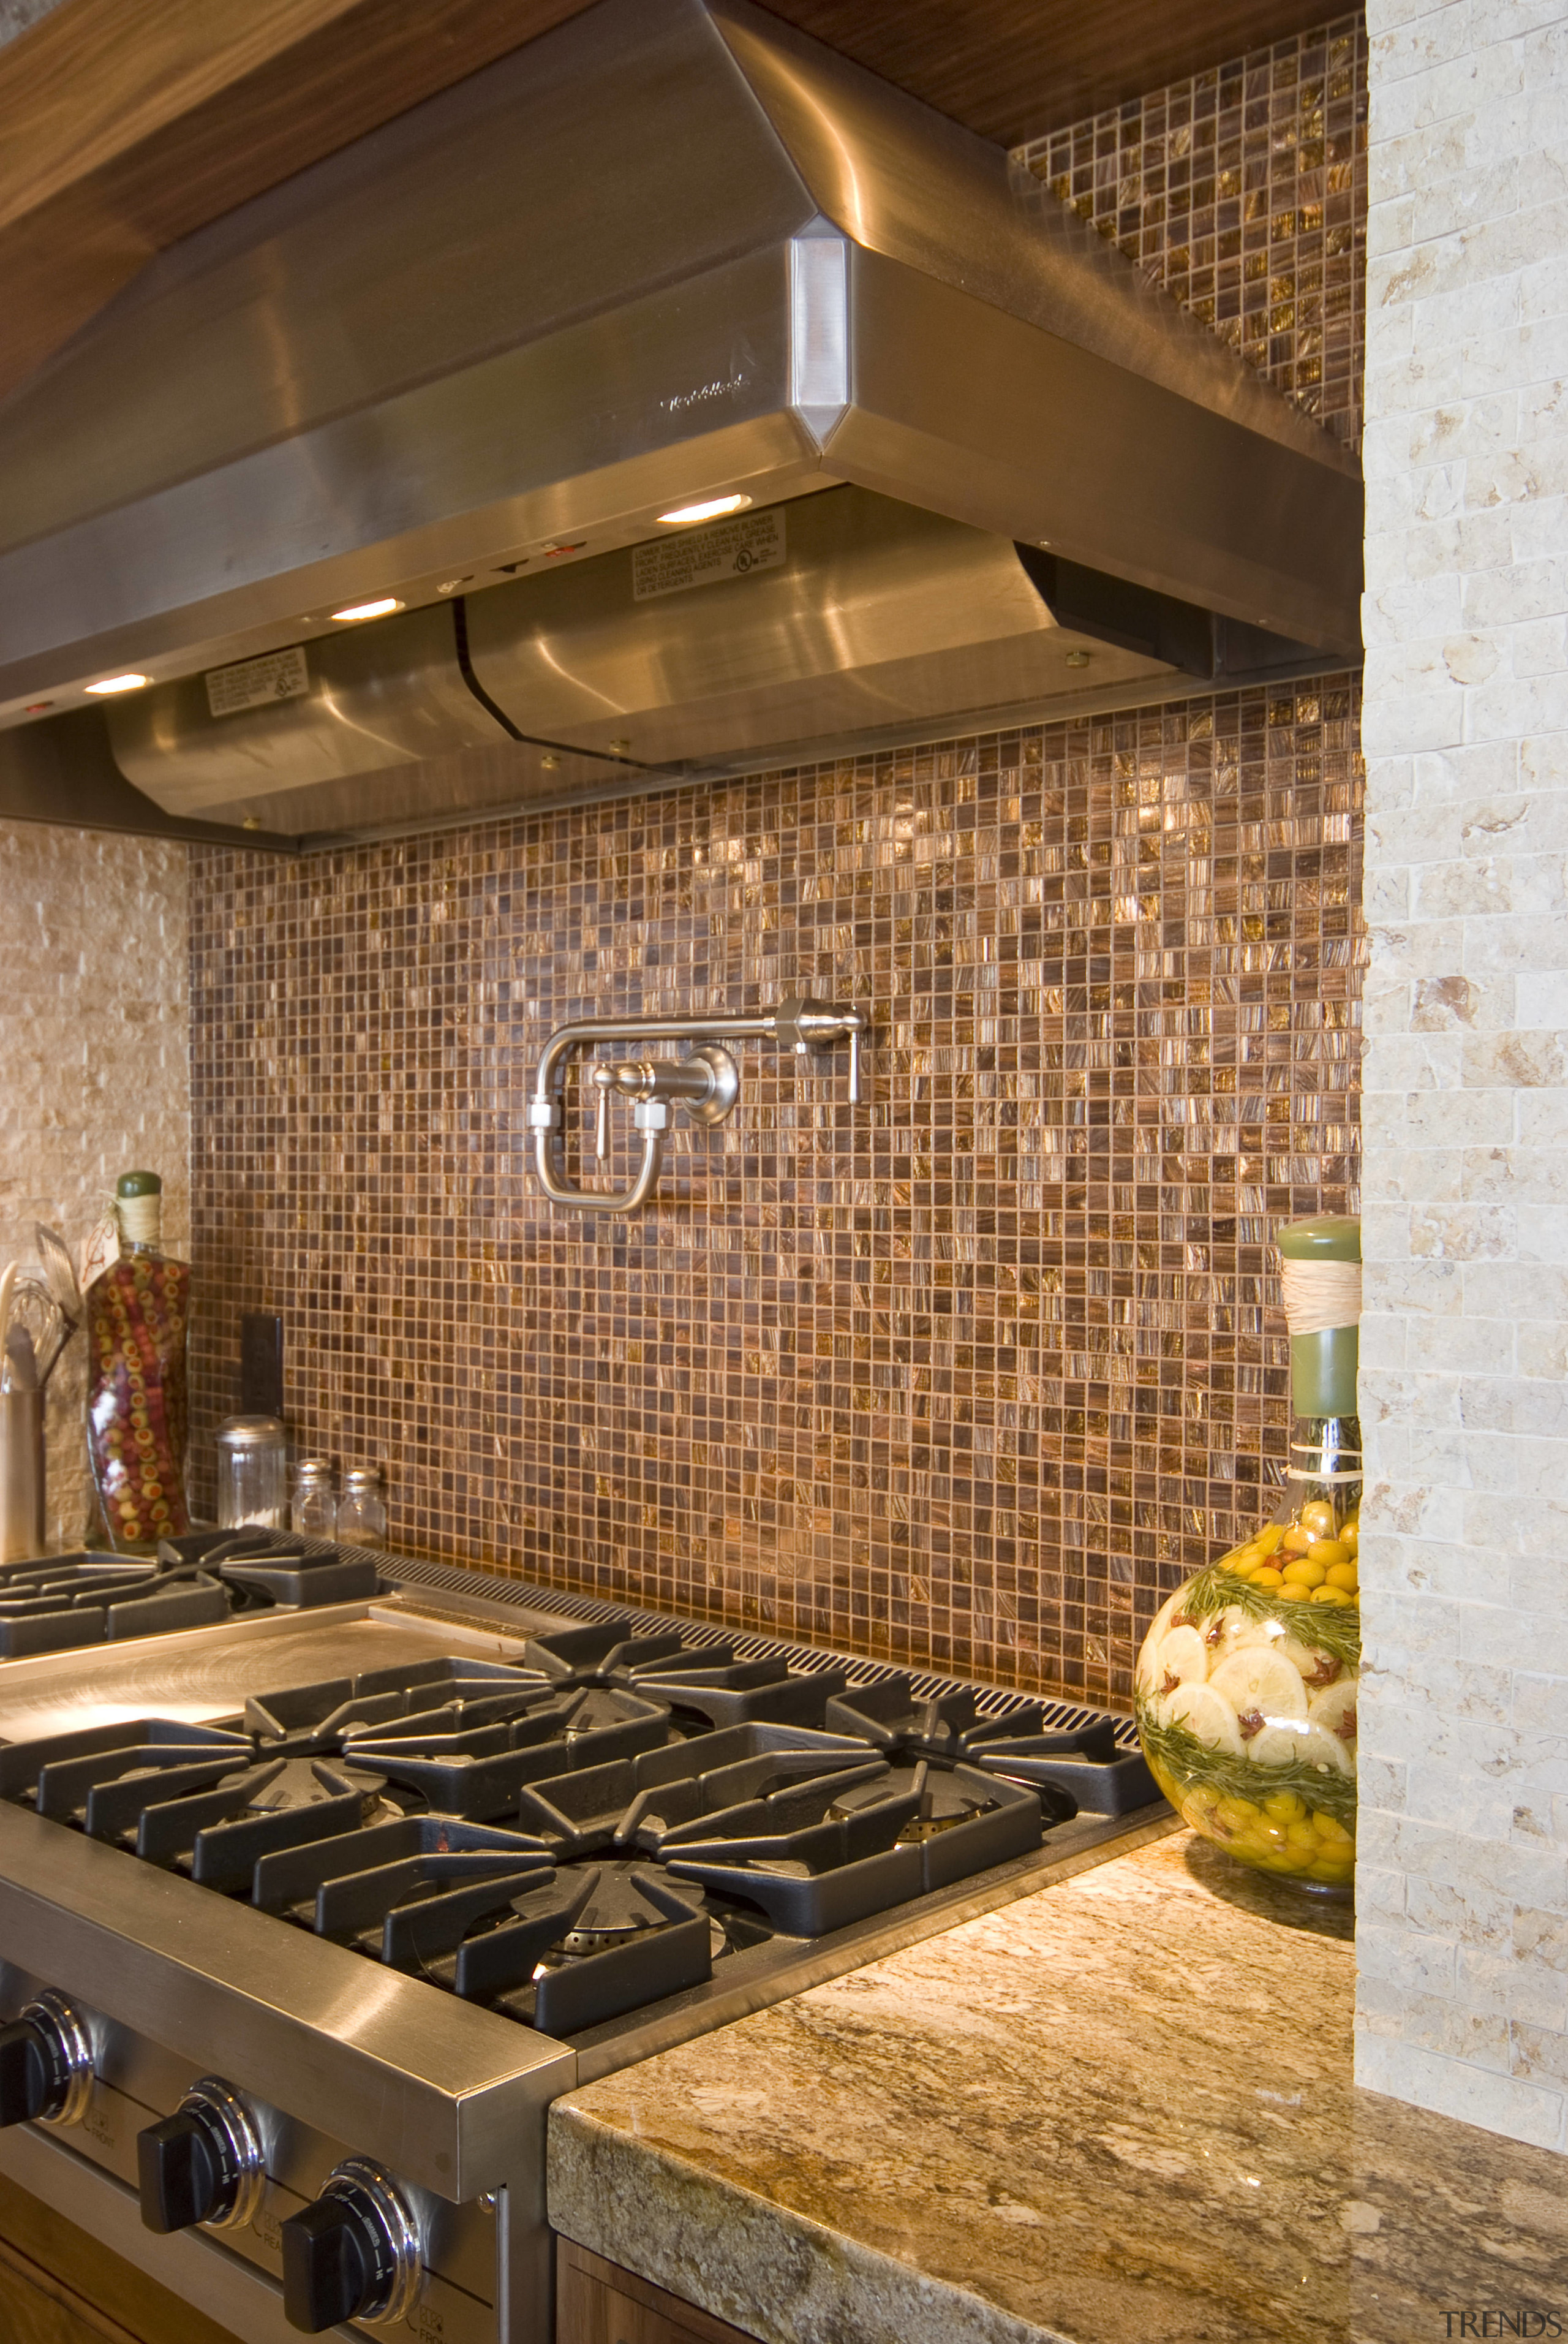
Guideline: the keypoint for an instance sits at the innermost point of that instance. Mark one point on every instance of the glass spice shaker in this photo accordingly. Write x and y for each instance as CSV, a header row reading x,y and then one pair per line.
x,y
313,1512
362,1508
252,1473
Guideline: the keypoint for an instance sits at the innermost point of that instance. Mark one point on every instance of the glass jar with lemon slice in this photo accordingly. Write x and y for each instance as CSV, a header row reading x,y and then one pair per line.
x,y
1245,1692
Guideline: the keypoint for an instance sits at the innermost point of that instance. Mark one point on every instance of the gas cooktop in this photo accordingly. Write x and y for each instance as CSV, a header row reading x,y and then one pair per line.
x,y
598,1824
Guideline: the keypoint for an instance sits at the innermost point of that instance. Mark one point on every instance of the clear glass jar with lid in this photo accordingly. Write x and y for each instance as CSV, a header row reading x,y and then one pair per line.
x,y
362,1508
313,1511
252,1473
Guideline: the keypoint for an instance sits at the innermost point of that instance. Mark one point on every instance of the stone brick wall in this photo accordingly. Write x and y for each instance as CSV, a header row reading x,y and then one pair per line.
x,y
94,1050
1463,1887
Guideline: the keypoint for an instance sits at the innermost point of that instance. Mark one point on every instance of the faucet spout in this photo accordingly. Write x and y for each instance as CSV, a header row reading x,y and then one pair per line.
x,y
705,1083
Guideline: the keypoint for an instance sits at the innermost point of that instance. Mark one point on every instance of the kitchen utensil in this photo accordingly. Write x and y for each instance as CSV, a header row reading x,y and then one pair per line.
x,y
21,1368
21,1474
59,1271
38,1318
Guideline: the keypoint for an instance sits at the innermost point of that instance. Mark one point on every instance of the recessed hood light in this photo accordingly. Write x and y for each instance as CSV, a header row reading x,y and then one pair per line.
x,y
120,683
714,510
356,610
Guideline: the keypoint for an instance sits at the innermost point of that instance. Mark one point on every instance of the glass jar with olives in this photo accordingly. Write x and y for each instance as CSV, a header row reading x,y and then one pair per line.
x,y
1245,1691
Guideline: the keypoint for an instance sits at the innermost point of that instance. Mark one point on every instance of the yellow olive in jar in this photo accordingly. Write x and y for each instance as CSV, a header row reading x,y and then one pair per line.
x,y
1345,1575
1284,1807
1296,1541
1318,1518
1328,1552
1268,1577
1305,1572
1331,1595
1333,1834
1350,1533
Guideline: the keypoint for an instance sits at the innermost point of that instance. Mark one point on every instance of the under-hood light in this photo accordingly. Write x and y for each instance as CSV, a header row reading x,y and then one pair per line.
x,y
356,610
714,510
120,683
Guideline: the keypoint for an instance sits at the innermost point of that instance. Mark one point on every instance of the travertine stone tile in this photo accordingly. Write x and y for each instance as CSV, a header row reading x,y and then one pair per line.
x,y
1466,731
95,1047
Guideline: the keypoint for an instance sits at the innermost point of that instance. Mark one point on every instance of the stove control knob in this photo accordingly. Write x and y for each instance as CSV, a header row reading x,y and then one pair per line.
x,y
203,2163
352,2255
46,2063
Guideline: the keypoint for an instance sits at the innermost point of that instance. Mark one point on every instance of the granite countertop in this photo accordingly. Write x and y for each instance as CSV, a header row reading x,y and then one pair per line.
x,y
1118,2111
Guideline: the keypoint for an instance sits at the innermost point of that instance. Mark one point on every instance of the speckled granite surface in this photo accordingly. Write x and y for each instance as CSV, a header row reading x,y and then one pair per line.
x,y
1117,2112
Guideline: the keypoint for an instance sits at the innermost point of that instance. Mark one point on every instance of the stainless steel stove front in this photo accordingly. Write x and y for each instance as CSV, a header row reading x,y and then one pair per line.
x,y
332,2056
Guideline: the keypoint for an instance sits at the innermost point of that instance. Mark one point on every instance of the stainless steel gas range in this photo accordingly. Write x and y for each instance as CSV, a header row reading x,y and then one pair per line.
x,y
306,1916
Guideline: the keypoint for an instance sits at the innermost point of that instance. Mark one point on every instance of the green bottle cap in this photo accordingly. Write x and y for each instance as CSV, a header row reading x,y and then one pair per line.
x,y
1332,1236
139,1184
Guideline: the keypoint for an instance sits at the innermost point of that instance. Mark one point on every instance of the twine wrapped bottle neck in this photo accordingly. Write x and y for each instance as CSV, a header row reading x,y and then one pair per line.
x,y
1321,1294
141,1221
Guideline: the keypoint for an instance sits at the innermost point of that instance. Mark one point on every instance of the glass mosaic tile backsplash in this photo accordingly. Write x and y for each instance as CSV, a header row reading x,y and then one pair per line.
x,y
969,1376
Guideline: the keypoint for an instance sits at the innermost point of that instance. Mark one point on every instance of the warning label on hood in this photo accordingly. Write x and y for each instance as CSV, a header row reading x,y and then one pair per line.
x,y
256,682
702,557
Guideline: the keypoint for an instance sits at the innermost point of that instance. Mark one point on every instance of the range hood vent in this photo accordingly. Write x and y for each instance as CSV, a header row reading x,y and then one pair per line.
x,y
669,253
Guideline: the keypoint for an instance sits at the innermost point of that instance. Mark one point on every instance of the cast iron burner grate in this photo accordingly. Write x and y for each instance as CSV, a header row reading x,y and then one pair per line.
x,y
705,1680
1085,1768
57,1603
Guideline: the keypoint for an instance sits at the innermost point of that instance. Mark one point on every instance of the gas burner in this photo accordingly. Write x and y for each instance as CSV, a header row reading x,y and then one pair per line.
x,y
703,1679
64,1601
617,1908
1086,1767
264,1567
441,1696
829,1852
945,1802
582,1830
481,1771
56,1603
601,1940
606,1655
292,1784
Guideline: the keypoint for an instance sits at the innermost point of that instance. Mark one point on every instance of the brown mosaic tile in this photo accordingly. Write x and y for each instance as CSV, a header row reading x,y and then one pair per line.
x,y
967,1377
1244,193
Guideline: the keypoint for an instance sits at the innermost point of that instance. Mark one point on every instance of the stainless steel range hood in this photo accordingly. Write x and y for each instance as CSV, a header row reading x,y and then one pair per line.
x,y
672,251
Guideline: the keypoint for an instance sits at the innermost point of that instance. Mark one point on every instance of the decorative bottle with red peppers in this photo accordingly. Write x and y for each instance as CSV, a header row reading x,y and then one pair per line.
x,y
138,1310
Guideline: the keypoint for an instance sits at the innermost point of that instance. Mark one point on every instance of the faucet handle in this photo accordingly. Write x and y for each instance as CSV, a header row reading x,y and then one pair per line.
x,y
801,1024
604,1083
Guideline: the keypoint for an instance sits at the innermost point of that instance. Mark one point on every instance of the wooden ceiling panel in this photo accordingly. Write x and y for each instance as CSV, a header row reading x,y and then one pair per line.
x,y
1012,69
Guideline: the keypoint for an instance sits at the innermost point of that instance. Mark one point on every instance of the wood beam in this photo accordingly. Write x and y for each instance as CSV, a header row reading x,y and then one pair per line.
x,y
125,125
1013,69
